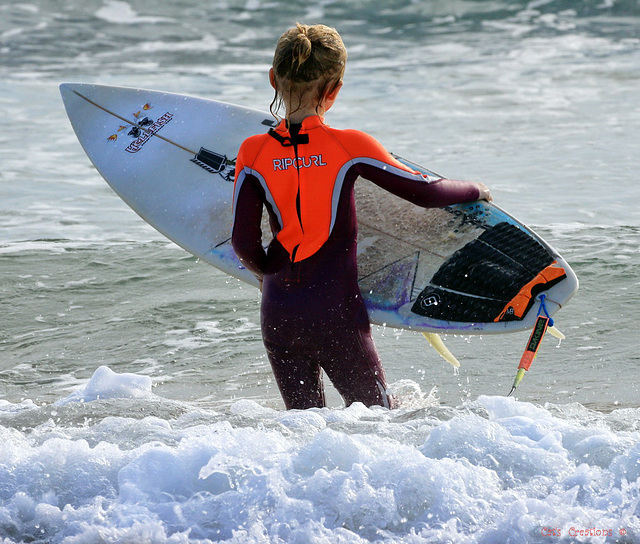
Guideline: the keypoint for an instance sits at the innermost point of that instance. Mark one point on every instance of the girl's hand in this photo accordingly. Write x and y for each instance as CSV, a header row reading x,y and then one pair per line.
x,y
485,194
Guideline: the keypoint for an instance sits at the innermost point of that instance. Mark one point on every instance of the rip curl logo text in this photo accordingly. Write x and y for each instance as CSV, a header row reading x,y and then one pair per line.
x,y
300,162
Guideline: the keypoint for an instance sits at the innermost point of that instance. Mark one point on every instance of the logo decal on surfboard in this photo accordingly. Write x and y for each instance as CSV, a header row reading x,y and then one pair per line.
x,y
141,129
215,163
144,134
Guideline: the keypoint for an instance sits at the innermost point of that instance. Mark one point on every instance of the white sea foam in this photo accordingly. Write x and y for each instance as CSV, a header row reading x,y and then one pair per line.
x,y
496,469
209,333
116,11
106,384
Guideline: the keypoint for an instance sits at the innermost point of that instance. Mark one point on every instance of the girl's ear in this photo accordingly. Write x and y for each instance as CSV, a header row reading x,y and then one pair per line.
x,y
331,96
272,78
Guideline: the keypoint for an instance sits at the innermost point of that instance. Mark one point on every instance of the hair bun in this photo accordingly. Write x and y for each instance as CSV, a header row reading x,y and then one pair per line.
x,y
301,47
308,52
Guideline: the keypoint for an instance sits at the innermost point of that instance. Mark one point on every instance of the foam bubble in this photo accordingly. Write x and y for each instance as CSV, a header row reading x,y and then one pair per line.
x,y
106,384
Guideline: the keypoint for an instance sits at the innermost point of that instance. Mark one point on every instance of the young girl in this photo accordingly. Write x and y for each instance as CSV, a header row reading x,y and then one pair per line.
x,y
303,172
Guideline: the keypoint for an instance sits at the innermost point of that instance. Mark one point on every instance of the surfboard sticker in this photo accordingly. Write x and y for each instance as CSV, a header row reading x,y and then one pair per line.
x,y
467,268
215,163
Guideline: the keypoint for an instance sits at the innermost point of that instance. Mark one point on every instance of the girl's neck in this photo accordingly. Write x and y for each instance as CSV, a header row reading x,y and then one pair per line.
x,y
302,104
300,114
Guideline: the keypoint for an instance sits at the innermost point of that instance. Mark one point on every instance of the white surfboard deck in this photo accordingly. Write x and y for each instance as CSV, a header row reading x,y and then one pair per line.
x,y
171,158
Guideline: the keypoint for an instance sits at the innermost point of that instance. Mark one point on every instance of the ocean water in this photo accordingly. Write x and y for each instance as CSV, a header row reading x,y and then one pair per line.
x,y
136,403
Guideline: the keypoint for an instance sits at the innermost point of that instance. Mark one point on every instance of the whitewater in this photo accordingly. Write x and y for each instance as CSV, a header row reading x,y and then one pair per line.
x,y
114,463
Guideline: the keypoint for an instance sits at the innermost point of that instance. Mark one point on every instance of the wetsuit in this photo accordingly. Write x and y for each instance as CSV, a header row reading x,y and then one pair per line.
x,y
312,314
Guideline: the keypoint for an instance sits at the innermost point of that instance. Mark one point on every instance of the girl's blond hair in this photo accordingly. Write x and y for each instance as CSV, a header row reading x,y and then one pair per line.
x,y
307,56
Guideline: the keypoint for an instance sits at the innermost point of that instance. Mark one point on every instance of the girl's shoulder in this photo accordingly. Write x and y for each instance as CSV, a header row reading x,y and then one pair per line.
x,y
251,146
359,141
253,141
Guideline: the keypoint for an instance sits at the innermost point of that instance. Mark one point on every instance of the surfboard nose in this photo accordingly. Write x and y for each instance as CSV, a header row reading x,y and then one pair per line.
x,y
67,88
71,90
68,92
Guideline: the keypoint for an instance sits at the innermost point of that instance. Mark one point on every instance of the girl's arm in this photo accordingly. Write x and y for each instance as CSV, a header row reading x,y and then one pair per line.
x,y
386,171
246,235
419,191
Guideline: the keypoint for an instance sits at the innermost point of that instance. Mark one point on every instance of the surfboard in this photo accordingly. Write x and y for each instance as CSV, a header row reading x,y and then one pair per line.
x,y
469,268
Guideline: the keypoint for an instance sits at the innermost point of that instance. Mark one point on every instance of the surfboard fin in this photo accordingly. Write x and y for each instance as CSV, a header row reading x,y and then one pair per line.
x,y
554,331
435,340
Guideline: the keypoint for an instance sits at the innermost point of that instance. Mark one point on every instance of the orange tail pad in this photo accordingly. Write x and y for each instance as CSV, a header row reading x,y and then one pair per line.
x,y
519,304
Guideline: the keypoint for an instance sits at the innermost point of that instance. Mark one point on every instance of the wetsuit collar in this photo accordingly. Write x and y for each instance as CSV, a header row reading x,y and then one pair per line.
x,y
308,123
295,137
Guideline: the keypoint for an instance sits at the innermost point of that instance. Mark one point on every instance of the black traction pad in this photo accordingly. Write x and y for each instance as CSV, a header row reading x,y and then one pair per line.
x,y
481,278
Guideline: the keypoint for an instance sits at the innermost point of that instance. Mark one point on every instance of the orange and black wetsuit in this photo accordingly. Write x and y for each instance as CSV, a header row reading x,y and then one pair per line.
x,y
313,316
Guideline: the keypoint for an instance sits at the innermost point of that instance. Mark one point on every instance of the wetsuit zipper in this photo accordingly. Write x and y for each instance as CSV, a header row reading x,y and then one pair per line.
x,y
298,205
292,140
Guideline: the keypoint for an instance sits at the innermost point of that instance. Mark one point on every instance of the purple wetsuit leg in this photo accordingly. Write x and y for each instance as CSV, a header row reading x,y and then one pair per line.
x,y
348,357
299,377
313,317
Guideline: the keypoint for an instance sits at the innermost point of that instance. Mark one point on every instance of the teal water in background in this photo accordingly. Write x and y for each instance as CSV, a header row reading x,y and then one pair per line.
x,y
537,99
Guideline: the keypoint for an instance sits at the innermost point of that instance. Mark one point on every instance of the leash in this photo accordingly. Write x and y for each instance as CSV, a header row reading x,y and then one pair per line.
x,y
543,322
